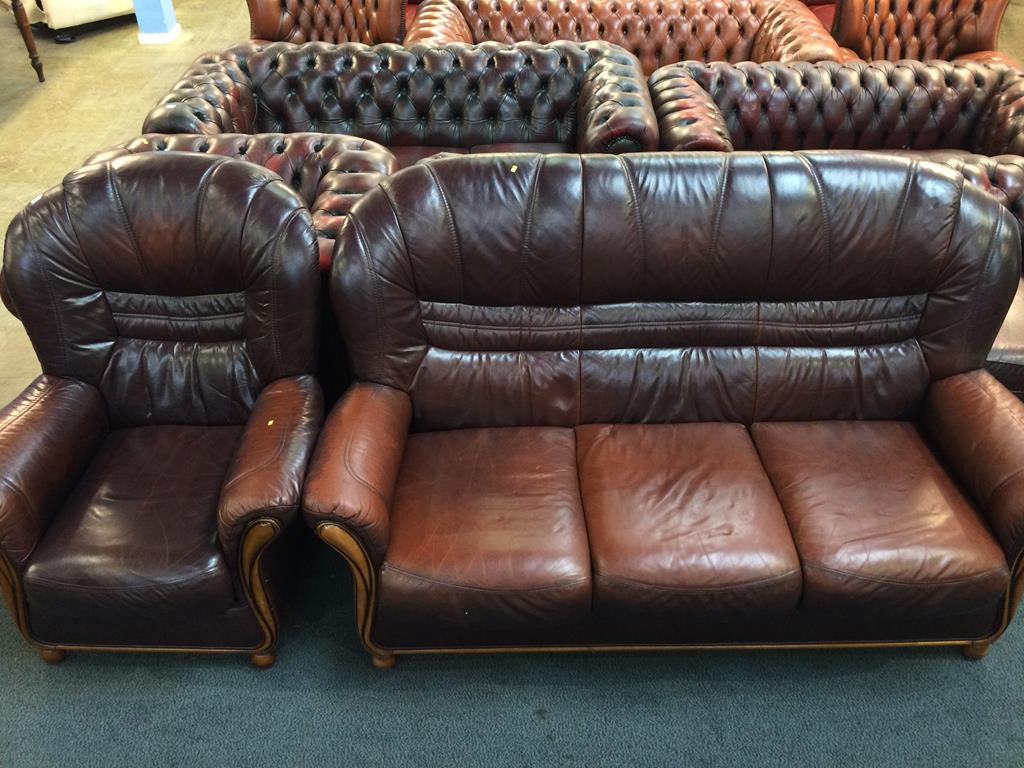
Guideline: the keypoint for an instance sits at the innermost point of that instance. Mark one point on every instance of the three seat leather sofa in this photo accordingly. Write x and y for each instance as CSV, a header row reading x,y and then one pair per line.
x,y
768,425
421,101
148,477
330,21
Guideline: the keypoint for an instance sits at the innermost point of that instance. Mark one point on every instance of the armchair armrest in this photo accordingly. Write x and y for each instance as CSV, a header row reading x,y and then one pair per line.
x,y
214,96
688,118
791,32
47,437
1000,128
614,111
438,22
977,426
354,470
266,476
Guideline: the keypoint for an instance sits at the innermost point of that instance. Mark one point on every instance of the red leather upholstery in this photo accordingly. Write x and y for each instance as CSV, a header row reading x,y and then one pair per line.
x,y
657,32
330,21
707,439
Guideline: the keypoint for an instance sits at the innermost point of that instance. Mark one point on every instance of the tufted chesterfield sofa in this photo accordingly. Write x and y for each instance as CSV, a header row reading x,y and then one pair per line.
x,y
768,426
963,115
421,101
148,477
330,21
914,29
658,32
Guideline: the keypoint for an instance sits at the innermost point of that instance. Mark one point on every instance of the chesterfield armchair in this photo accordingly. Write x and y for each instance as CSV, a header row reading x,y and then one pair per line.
x,y
920,29
657,34
332,21
149,476
421,101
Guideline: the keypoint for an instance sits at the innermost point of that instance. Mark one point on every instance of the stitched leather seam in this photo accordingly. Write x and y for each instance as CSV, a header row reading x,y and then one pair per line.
x,y
814,565
819,191
638,584
716,219
501,590
626,324
637,220
377,289
178,318
124,218
24,497
350,466
450,216
138,587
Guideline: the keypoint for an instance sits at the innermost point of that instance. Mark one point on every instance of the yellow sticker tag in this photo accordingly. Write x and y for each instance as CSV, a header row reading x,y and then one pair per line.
x,y
514,168
270,423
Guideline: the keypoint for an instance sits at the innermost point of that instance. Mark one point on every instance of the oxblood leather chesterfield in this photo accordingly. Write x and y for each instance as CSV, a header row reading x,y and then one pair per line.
x,y
663,400
421,101
330,21
148,476
657,32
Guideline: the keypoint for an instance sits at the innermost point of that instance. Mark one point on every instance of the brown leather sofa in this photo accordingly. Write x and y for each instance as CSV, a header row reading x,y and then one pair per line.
x,y
421,101
657,32
330,21
148,476
904,29
963,115
767,426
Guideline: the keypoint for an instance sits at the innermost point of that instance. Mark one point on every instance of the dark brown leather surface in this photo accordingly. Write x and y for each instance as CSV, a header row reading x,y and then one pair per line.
x,y
683,523
353,473
47,436
328,171
332,21
978,427
592,97
487,533
538,320
1006,360
132,556
905,29
657,33
881,528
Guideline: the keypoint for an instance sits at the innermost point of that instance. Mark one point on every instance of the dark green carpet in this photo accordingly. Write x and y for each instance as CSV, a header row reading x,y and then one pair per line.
x,y
323,704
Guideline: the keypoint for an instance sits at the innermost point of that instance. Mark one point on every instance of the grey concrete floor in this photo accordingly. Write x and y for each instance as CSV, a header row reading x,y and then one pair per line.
x,y
97,92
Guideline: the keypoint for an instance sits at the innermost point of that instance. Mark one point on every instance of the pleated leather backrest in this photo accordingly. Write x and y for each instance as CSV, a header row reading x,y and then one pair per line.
x,y
517,290
179,284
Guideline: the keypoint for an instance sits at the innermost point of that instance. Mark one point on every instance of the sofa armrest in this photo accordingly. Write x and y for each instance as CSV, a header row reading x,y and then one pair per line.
x,y
354,470
267,473
977,426
990,59
438,22
48,435
614,110
688,118
1000,129
214,96
790,31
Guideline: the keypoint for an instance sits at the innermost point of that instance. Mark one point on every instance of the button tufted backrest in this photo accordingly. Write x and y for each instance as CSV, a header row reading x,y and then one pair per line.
x,y
828,105
178,284
671,287
330,21
657,32
917,29
459,95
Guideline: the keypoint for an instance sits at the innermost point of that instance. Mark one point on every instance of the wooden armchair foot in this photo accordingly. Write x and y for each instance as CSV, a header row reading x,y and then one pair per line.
x,y
974,651
384,661
263,660
52,655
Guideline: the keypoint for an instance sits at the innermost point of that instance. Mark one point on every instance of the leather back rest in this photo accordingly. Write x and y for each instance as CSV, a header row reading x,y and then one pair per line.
x,y
453,96
178,284
658,32
917,29
829,105
671,287
330,21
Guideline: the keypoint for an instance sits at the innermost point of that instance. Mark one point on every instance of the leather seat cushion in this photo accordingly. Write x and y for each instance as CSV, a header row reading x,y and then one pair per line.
x,y
1006,360
407,156
684,524
882,530
487,534
133,557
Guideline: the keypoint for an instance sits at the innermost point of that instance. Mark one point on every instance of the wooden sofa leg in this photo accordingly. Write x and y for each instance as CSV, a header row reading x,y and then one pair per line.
x,y
974,651
384,661
52,655
263,660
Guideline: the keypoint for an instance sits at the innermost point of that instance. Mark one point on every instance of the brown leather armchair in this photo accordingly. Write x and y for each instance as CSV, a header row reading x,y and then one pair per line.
x,y
729,438
912,29
148,476
657,32
330,21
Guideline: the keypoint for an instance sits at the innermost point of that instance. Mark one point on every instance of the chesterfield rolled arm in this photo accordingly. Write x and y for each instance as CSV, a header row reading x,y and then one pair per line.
x,y
615,110
47,437
214,96
438,22
791,32
266,476
688,118
1000,128
351,481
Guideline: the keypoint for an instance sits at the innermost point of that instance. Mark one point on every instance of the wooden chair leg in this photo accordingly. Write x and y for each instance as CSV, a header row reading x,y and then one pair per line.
x,y
263,660
26,34
52,655
974,651
384,661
